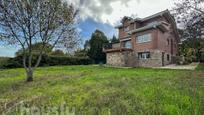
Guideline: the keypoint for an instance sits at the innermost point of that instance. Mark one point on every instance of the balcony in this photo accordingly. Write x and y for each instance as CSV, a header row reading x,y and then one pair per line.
x,y
114,47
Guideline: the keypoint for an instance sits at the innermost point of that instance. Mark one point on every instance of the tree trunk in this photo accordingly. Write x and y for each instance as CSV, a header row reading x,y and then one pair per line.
x,y
29,75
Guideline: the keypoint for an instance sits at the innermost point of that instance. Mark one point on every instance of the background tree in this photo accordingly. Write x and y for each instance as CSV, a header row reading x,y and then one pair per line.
x,y
114,39
81,53
98,39
87,45
27,22
57,52
36,49
190,16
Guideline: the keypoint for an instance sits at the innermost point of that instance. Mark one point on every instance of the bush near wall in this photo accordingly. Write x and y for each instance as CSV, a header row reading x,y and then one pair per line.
x,y
17,62
202,55
53,60
3,61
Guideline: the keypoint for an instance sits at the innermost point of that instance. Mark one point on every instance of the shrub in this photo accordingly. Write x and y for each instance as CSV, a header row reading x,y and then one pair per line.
x,y
17,62
202,56
3,61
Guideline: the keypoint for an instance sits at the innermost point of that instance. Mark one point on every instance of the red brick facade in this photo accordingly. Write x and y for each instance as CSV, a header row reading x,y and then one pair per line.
x,y
162,35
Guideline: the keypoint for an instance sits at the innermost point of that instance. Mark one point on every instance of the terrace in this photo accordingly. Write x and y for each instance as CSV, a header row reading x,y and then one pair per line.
x,y
115,47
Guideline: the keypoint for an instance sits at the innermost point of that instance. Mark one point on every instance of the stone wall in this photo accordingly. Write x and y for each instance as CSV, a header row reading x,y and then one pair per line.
x,y
130,59
115,59
154,61
123,58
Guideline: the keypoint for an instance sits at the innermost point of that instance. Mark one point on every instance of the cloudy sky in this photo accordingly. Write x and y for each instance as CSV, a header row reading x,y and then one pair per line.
x,y
105,15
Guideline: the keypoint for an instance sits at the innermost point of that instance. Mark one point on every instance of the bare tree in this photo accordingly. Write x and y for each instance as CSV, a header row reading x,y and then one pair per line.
x,y
190,16
26,22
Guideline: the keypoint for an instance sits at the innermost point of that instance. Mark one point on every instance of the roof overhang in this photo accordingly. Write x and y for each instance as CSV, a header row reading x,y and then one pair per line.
x,y
119,26
155,15
170,18
126,39
146,18
158,25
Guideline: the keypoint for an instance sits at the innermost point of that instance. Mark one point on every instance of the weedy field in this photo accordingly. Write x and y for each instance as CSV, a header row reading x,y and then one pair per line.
x,y
97,90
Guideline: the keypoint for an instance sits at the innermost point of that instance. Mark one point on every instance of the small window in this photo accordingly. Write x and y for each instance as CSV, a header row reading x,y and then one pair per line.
x,y
144,55
126,29
127,44
168,57
144,38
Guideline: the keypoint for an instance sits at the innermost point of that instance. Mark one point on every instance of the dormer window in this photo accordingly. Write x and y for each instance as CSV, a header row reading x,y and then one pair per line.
x,y
126,29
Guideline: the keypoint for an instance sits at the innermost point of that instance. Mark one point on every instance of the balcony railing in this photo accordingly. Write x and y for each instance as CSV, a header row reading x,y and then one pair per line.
x,y
113,47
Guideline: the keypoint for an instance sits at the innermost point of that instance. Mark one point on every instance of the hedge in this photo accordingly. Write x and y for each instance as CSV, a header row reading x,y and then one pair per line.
x,y
3,61
17,62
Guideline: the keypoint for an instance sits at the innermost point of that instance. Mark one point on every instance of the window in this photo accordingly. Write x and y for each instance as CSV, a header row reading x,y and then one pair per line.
x,y
144,55
144,38
127,44
168,57
126,29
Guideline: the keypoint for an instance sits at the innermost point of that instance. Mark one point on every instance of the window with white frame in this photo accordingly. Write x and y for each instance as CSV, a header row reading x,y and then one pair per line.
x,y
127,44
144,38
144,55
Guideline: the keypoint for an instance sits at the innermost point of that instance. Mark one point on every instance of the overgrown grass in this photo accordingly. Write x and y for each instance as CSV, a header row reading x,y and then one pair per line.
x,y
200,67
94,90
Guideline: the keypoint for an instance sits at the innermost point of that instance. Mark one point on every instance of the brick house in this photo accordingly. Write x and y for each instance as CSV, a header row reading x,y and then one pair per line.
x,y
148,42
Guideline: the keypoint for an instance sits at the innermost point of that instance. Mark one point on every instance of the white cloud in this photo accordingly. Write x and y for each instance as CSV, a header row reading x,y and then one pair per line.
x,y
79,30
111,11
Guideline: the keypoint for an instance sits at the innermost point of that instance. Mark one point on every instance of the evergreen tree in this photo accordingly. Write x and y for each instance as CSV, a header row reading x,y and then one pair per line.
x,y
98,39
114,39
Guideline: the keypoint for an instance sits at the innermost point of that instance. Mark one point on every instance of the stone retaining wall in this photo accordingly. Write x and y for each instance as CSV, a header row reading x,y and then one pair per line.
x,y
115,59
130,59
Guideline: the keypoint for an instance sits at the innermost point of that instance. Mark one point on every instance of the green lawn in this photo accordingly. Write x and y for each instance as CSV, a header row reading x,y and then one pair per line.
x,y
200,67
94,90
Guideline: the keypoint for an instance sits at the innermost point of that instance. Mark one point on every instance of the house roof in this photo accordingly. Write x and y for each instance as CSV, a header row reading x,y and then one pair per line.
x,y
164,13
146,18
153,16
158,25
